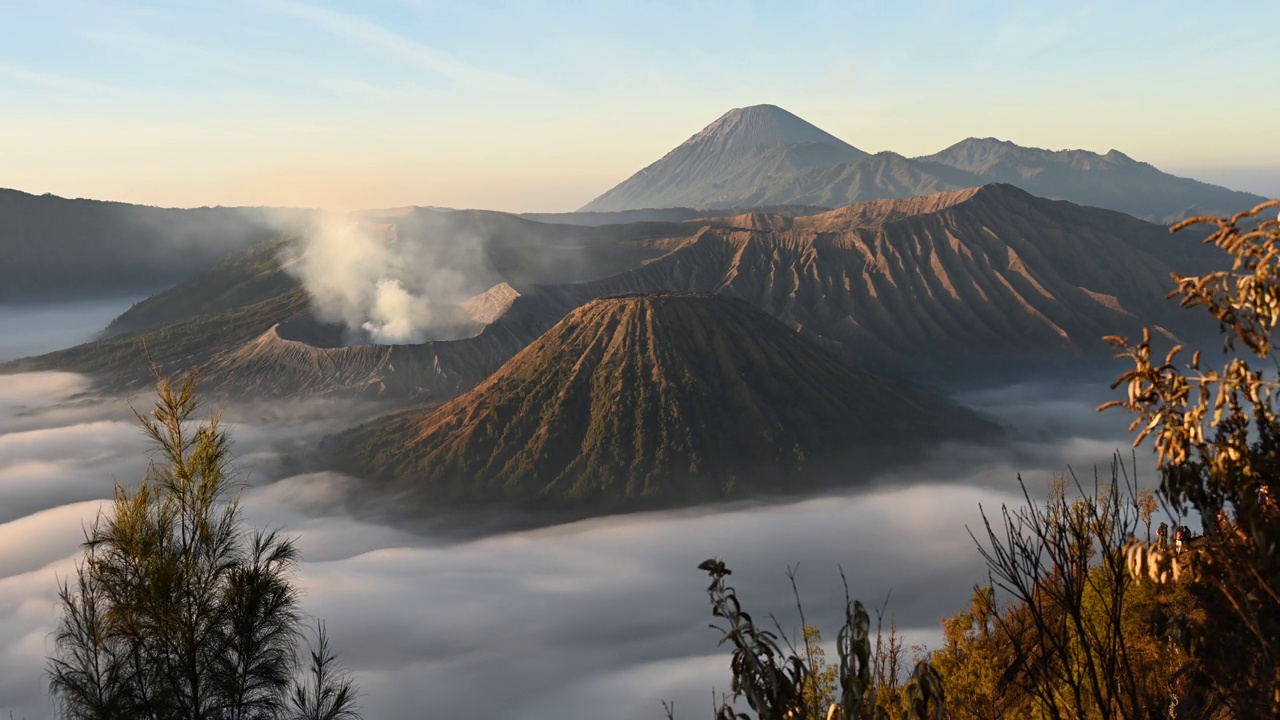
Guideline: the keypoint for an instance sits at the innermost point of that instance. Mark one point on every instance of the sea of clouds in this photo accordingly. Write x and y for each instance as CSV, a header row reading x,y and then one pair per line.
x,y
602,618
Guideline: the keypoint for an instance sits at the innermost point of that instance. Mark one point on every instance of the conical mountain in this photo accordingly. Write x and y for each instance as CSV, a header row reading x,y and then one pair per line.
x,y
708,168
643,401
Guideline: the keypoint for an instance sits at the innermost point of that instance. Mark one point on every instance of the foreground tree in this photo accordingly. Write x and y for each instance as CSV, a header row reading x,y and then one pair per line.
x,y
177,610
1217,437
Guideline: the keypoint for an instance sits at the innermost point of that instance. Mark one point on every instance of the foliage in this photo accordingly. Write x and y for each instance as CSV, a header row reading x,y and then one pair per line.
x,y
326,691
1217,439
972,658
820,684
790,685
1064,633
772,683
179,611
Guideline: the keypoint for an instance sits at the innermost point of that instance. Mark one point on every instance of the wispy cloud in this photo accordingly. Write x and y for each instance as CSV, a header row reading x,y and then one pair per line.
x,y
128,38
377,37
54,81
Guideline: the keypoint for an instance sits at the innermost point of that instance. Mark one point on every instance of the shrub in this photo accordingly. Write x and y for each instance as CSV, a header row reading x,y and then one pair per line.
x,y
177,610
1217,439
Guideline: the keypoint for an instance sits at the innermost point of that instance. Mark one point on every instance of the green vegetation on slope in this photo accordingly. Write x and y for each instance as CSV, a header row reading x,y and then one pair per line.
x,y
249,278
178,610
122,362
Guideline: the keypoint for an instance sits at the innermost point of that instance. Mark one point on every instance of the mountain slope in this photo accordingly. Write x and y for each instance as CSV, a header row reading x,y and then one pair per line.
x,y
698,173
956,280
651,400
483,248
883,175
622,217
965,276
254,327
248,278
57,248
1114,180
122,362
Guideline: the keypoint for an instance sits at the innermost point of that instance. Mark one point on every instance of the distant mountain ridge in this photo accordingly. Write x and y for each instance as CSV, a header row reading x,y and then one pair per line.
x,y
973,273
56,248
796,163
758,158
1114,180
957,279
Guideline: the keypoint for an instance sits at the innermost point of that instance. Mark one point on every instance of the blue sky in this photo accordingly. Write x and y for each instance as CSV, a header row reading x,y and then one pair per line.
x,y
542,106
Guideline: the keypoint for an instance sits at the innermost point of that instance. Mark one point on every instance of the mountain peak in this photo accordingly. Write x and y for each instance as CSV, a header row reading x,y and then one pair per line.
x,y
985,142
763,126
742,146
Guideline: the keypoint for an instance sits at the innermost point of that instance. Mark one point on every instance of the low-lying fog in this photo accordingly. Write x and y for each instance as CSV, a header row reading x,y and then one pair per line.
x,y
603,618
34,329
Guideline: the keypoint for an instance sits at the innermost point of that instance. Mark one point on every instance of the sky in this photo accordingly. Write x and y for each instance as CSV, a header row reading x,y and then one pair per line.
x,y
541,106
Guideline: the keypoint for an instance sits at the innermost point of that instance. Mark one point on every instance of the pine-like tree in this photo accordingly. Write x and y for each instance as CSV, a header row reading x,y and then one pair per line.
x,y
177,609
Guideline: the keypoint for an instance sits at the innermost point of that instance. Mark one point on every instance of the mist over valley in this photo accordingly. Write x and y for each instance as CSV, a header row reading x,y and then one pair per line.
x,y
530,624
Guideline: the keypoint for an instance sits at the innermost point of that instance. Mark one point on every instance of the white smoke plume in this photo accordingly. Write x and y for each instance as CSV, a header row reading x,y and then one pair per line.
x,y
383,287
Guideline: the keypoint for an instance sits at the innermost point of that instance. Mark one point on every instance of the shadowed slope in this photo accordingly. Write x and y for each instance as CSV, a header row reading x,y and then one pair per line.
x,y
226,317
248,278
275,366
651,400
1114,180
488,248
59,248
971,274
883,175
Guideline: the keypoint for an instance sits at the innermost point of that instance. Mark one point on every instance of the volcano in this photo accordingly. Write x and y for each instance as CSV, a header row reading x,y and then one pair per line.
x,y
727,160
653,400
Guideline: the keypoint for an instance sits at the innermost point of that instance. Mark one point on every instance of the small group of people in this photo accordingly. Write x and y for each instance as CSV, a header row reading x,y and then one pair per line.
x,y
1182,536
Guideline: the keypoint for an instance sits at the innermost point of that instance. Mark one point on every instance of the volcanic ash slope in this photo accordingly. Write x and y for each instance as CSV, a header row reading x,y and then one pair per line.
x,y
642,401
